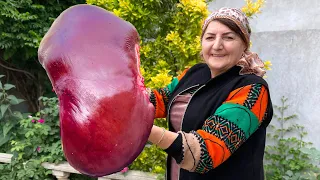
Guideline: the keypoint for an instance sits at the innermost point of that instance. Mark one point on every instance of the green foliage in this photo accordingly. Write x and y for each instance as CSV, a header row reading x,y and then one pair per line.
x,y
23,23
8,118
36,140
150,160
289,157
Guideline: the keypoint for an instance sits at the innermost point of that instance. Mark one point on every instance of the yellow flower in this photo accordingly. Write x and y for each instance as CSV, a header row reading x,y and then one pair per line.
x,y
161,79
267,65
145,49
172,36
142,71
252,8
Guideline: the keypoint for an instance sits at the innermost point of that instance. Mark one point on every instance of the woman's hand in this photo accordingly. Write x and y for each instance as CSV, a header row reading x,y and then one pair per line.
x,y
161,137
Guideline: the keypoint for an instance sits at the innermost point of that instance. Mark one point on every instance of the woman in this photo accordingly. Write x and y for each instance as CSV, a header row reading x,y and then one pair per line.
x,y
217,111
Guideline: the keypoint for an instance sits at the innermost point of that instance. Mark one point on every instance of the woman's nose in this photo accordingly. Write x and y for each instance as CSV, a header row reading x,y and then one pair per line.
x,y
217,44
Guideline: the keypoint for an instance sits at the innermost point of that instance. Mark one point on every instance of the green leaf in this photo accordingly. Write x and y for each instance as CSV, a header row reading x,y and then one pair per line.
x,y
2,76
8,53
4,108
4,139
17,114
1,85
6,128
14,100
8,86
289,173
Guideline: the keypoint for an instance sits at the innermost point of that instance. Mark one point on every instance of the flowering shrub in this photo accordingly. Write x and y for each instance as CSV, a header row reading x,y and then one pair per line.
x,y
36,140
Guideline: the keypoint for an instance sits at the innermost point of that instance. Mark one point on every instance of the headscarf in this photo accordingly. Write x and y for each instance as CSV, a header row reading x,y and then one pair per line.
x,y
250,62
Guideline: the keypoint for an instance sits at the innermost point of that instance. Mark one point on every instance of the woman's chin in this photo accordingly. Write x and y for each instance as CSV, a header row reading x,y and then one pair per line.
x,y
216,66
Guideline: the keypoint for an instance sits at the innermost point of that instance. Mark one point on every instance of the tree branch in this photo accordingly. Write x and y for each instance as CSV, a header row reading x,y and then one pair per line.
x,y
17,70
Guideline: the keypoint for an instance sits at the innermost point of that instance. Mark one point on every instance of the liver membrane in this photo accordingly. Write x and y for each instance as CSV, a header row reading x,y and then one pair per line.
x,y
92,59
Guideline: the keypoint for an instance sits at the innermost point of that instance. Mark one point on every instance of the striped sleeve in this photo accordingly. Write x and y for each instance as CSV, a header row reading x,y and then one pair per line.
x,y
160,97
226,130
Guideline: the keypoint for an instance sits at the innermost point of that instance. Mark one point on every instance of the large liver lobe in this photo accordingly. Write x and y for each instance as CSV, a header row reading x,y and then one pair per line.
x,y
92,60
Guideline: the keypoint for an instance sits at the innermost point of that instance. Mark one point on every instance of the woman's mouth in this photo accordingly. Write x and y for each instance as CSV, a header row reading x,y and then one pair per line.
x,y
218,55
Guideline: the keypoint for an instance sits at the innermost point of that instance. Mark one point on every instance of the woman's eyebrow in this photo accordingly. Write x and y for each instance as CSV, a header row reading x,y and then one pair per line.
x,y
227,33
209,33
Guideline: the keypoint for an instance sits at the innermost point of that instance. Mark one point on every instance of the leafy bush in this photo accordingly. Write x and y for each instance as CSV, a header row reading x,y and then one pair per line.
x,y
8,118
36,140
289,157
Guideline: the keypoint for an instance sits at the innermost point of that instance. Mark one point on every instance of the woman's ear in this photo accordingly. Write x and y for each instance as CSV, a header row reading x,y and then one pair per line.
x,y
201,56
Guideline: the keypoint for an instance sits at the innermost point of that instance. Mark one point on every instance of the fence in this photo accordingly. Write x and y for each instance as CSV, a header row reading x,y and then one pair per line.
x,y
63,170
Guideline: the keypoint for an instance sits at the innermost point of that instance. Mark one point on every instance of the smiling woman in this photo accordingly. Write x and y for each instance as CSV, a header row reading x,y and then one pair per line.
x,y
217,111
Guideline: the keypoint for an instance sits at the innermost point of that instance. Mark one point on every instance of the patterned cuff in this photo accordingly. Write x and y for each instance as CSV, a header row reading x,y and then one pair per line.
x,y
191,151
205,162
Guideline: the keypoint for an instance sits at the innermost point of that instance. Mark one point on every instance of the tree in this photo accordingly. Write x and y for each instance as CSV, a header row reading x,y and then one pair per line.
x,y
23,23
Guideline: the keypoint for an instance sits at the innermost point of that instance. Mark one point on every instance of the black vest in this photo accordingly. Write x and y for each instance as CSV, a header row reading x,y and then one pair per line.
x,y
245,163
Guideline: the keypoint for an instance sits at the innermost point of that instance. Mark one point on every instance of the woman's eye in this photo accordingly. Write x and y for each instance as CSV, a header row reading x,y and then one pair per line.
x,y
209,37
229,38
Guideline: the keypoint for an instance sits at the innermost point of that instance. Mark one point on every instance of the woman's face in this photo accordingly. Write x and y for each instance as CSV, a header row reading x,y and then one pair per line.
x,y
221,48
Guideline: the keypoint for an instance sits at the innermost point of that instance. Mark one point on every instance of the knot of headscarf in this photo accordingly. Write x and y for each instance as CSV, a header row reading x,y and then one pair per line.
x,y
251,64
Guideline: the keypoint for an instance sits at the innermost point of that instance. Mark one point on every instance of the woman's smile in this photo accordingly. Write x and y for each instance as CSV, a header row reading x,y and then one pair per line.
x,y
218,55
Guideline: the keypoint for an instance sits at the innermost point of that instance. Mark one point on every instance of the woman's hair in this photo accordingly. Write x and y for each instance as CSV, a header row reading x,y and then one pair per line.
x,y
234,27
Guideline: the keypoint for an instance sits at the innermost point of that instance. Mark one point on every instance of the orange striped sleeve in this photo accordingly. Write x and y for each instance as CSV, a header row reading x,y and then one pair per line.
x,y
160,110
182,74
239,95
160,97
260,107
217,148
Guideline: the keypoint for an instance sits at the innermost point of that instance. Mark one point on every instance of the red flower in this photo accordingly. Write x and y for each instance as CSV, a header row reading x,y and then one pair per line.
x,y
38,149
126,169
41,121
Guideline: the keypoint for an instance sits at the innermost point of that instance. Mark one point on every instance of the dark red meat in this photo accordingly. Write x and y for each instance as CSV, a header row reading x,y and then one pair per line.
x,y
92,59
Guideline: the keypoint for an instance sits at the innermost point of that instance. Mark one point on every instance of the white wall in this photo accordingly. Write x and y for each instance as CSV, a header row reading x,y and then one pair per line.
x,y
280,15
288,33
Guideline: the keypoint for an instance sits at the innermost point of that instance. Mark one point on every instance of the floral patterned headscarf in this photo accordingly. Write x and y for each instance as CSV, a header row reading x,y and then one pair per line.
x,y
250,62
